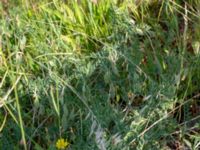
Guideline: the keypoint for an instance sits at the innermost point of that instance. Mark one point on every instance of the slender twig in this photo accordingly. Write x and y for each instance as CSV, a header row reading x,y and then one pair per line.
x,y
164,117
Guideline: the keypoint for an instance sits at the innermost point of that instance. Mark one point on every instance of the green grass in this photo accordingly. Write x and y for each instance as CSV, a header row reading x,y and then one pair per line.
x,y
116,74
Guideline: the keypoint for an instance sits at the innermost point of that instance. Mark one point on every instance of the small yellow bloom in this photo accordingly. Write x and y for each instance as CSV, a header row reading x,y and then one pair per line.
x,y
61,143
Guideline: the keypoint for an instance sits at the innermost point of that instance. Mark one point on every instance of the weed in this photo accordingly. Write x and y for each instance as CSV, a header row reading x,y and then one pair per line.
x,y
104,74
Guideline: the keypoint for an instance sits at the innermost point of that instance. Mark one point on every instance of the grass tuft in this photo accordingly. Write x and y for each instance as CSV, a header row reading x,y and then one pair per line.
x,y
99,74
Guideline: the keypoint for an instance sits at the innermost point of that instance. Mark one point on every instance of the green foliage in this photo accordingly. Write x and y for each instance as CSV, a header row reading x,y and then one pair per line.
x,y
105,74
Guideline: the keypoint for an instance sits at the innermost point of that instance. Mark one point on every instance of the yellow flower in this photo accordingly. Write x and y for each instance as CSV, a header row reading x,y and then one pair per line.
x,y
61,143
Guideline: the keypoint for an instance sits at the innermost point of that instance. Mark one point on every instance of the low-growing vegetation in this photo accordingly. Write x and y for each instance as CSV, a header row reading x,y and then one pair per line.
x,y
100,74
